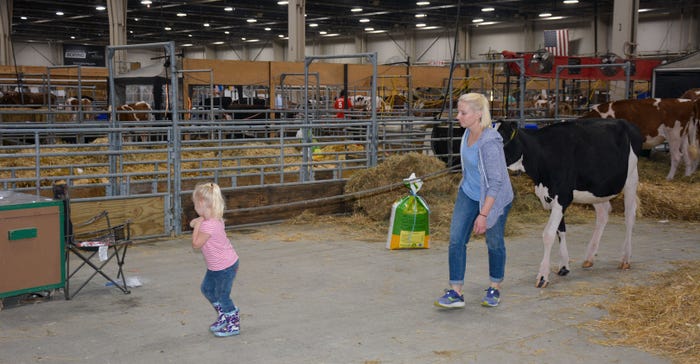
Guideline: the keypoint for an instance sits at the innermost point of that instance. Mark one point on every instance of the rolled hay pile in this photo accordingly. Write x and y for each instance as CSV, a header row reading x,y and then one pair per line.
x,y
384,185
661,318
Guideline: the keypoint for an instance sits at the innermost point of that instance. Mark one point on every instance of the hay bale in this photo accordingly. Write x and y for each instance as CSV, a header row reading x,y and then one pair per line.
x,y
393,170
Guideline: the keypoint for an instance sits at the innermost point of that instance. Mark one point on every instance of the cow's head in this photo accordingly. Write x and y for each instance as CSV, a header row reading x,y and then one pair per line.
x,y
511,146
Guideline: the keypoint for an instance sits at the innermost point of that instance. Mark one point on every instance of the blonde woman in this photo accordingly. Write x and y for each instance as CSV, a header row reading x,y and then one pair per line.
x,y
483,201
209,235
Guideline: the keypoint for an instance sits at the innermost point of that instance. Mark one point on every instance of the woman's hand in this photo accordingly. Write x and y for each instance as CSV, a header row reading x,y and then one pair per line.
x,y
480,225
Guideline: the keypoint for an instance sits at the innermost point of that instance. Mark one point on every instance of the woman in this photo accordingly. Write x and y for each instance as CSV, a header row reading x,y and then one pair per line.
x,y
484,198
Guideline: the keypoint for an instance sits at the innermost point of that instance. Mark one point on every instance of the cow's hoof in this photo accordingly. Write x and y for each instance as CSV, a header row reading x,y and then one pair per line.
x,y
624,266
587,264
542,283
563,271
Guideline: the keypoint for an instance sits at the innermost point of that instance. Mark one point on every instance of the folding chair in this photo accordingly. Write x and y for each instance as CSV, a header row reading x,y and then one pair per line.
x,y
93,239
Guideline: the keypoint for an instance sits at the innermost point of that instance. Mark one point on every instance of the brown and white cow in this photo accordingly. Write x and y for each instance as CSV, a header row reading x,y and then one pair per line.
x,y
692,94
673,120
84,105
138,111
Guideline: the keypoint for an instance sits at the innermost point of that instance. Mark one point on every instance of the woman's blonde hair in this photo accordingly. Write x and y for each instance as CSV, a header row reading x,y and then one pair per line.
x,y
478,102
210,194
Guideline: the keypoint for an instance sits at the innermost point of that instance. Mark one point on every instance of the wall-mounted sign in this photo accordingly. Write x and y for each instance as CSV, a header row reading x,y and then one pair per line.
x,y
83,55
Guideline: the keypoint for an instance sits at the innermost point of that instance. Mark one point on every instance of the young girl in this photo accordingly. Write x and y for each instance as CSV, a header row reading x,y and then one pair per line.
x,y
209,234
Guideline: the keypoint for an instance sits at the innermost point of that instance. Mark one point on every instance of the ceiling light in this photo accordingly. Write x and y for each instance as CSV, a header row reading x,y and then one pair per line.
x,y
23,17
181,14
545,15
423,3
282,2
378,31
643,10
72,37
100,8
243,38
219,42
323,32
136,19
332,35
189,35
268,29
554,18
251,20
187,45
369,29
168,28
280,35
227,32
252,40
356,10
430,27
570,1
421,15
487,23
364,20
228,8
206,24
478,20
420,25
313,25
131,32
59,13
146,2
486,10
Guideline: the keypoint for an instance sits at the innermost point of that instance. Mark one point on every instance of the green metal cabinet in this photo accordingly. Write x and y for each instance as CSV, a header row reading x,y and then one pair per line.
x,y
32,250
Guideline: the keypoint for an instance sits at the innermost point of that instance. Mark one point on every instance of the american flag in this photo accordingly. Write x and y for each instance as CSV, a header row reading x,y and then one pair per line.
x,y
556,42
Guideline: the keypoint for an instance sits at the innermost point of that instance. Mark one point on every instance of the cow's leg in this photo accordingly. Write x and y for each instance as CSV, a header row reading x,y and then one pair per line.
x,y
630,192
602,212
673,136
563,250
548,236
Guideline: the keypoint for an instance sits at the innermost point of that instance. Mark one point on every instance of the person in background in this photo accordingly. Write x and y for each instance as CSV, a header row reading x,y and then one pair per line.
x,y
342,103
483,201
209,235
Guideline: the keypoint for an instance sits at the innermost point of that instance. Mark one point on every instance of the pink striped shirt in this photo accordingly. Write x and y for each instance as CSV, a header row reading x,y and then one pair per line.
x,y
217,251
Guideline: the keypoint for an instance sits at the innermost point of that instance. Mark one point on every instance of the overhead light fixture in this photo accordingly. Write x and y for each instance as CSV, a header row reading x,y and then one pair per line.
x,y
423,3
72,37
227,32
218,43
189,35
369,29
267,29
181,14
146,2
136,19
282,2
228,8
486,23
364,20
251,20
421,15
487,10
554,18
478,20
570,1
252,40
313,25
378,31
59,13
168,28
323,32
356,9
430,27
280,35
545,15
23,17
100,8
420,25
206,24
332,35
643,10
187,45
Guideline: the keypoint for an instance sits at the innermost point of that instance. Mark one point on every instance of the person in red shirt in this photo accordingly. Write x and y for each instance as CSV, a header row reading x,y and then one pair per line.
x,y
341,103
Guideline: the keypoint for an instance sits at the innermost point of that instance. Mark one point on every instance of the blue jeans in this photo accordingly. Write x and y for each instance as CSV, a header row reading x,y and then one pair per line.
x,y
216,287
465,213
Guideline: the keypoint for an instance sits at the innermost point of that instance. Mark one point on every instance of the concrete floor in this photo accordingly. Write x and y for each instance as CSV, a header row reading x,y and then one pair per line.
x,y
322,294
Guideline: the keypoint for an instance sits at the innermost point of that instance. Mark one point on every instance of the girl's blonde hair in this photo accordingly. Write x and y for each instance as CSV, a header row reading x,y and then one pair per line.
x,y
478,102
210,194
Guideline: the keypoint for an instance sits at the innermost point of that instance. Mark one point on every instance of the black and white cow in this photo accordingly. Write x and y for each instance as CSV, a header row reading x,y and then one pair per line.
x,y
585,161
